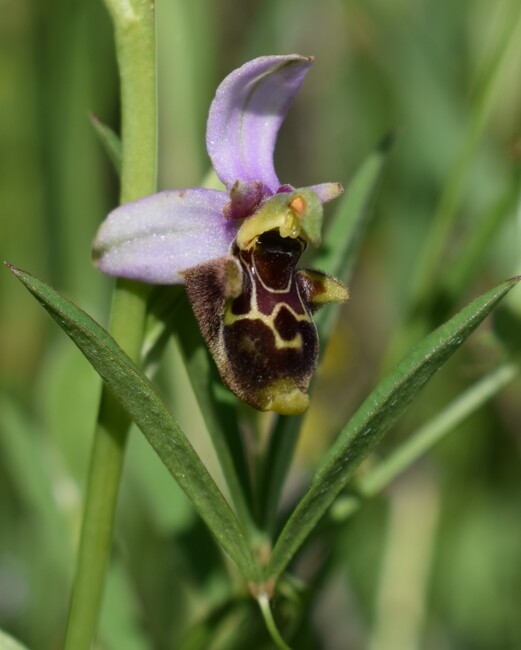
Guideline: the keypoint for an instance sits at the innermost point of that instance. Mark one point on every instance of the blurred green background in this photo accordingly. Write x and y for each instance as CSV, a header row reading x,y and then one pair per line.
x,y
436,563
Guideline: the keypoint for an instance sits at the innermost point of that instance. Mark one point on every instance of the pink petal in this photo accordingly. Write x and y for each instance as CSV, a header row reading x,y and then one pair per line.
x,y
156,238
246,114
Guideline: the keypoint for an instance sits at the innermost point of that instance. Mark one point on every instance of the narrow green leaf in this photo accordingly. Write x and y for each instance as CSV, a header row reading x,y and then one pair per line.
x,y
469,260
8,643
375,417
339,249
141,401
110,141
220,417
163,305
431,432
341,241
23,451
424,438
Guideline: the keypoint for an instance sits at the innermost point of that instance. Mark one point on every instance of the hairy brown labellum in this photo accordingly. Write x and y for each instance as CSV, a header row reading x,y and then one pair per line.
x,y
255,313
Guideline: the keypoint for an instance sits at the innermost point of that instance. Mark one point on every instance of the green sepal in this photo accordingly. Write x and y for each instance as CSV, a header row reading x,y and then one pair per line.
x,y
322,288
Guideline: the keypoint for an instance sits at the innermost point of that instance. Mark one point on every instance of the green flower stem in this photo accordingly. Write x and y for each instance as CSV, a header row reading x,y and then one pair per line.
x,y
264,604
275,469
425,438
134,26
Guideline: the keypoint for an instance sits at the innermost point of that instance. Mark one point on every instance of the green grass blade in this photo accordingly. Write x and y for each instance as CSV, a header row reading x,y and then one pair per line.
x,y
435,241
23,450
219,416
342,237
341,243
375,417
425,437
110,141
430,433
141,401
469,261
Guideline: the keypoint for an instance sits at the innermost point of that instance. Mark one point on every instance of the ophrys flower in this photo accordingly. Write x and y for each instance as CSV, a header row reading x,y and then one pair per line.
x,y
237,250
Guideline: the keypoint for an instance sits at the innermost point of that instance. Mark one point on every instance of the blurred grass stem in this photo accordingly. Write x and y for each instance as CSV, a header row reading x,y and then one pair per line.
x,y
134,26
446,213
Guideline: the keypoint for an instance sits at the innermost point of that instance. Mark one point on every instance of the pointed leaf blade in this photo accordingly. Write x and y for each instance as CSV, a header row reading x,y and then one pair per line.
x,y
424,439
375,417
141,401
110,141
246,114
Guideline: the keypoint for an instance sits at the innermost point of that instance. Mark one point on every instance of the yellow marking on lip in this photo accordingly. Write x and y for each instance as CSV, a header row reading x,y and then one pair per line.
x,y
280,343
254,313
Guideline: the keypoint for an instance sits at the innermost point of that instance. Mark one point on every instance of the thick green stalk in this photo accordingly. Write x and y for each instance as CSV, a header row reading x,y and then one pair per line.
x,y
134,26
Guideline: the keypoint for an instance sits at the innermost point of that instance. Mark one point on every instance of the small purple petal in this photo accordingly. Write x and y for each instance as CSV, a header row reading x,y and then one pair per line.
x,y
156,238
245,198
285,188
246,114
327,191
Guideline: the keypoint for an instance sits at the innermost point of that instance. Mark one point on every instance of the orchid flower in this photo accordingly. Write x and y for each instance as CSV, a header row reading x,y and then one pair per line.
x,y
236,250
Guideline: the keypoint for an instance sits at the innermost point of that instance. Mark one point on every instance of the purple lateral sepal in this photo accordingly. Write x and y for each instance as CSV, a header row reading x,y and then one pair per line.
x,y
156,238
246,114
